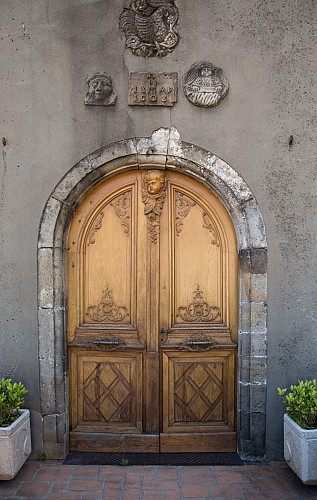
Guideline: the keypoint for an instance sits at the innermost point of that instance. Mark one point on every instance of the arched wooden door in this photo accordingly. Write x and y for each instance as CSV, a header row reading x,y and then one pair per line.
x,y
152,323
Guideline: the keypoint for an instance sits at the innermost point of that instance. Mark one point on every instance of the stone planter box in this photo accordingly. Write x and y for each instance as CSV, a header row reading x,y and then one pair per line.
x,y
15,445
300,450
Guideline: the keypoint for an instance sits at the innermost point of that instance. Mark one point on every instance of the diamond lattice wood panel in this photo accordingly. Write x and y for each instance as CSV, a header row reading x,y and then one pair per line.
x,y
198,390
109,390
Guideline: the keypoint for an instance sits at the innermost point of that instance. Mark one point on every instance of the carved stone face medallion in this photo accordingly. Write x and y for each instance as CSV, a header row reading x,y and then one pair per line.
x,y
100,91
205,85
150,27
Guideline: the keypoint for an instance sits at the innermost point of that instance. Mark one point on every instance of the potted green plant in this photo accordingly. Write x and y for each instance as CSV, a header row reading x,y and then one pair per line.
x,y
300,429
15,431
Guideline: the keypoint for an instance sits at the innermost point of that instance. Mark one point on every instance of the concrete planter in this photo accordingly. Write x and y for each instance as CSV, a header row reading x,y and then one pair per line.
x,y
15,445
300,450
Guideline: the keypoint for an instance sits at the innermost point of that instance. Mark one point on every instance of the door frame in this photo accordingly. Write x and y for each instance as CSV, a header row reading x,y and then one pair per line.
x,y
163,150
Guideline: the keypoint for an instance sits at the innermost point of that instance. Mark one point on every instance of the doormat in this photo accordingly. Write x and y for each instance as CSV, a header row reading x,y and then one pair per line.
x,y
88,458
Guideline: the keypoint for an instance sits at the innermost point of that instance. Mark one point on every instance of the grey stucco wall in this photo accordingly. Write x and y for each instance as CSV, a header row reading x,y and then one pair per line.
x,y
268,52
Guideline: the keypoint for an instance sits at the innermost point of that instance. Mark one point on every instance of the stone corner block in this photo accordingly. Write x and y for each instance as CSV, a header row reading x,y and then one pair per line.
x,y
256,224
232,179
48,223
55,435
45,278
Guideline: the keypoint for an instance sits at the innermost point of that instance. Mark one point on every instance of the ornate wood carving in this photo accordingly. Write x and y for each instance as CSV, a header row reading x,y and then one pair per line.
x,y
198,310
153,197
121,205
183,205
210,225
150,27
96,224
107,310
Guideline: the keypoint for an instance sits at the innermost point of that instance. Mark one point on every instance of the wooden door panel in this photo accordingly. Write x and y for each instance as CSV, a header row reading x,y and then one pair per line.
x,y
198,265
191,260
198,391
198,400
108,296
104,256
107,392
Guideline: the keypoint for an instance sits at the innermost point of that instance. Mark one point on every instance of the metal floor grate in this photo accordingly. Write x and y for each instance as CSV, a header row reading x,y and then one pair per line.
x,y
88,458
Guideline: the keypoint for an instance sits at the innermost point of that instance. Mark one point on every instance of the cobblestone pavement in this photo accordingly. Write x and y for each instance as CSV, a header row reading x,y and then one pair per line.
x,y
51,480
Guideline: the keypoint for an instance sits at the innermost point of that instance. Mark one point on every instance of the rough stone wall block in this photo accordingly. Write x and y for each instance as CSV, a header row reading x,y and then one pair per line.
x,y
259,317
47,360
60,277
45,278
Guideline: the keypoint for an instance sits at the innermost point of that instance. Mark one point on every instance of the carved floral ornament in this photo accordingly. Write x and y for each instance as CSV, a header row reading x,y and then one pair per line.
x,y
107,310
183,205
150,27
198,310
122,208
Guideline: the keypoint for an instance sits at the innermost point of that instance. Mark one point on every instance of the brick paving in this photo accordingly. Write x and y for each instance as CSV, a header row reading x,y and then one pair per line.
x,y
51,480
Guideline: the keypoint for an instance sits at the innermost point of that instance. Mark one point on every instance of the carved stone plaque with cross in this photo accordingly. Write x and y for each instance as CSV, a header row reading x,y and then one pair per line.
x,y
152,89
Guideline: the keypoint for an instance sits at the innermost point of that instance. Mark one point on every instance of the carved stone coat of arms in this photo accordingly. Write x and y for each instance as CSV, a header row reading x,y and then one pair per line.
x,y
150,27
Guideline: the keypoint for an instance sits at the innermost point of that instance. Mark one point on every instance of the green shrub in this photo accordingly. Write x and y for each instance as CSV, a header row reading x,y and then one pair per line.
x,y
11,400
301,403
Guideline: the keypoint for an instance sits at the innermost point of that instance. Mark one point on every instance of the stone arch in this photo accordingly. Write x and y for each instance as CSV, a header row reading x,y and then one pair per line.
x,y
165,150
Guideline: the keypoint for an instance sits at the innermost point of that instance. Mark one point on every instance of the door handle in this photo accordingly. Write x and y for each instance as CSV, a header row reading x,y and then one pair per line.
x,y
199,344
107,342
202,343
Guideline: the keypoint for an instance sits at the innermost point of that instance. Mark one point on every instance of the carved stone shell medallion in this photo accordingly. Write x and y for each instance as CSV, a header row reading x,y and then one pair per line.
x,y
150,27
205,85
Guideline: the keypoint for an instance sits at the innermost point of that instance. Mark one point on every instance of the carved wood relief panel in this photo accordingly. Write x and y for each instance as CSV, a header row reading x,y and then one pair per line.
x,y
199,270
103,243
107,295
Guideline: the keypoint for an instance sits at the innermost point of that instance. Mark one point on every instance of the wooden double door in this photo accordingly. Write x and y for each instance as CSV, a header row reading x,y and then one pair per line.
x,y
152,317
